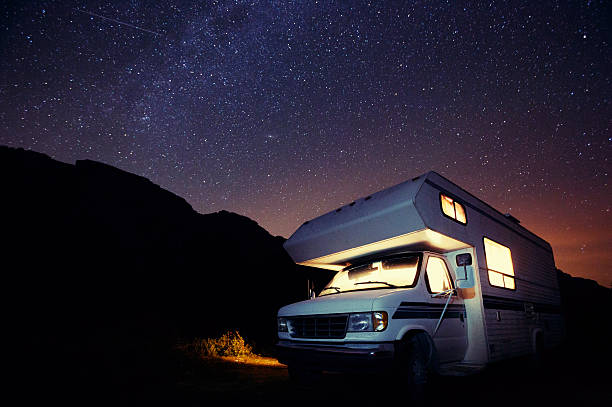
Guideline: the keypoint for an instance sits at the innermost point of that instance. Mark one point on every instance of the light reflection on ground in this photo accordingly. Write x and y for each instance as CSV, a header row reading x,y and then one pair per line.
x,y
254,360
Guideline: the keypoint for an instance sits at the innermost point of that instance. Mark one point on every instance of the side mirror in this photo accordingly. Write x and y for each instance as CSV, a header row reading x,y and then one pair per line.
x,y
464,259
464,280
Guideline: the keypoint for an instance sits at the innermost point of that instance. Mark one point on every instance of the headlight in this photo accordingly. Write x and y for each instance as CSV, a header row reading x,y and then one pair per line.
x,y
360,322
282,325
367,322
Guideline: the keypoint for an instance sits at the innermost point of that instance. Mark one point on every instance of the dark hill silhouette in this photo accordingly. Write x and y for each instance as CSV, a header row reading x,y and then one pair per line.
x,y
586,308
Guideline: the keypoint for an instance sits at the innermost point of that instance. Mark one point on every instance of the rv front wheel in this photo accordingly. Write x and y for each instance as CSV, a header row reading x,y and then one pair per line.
x,y
414,365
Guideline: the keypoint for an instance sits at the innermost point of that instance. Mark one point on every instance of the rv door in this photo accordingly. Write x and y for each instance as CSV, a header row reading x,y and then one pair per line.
x,y
449,316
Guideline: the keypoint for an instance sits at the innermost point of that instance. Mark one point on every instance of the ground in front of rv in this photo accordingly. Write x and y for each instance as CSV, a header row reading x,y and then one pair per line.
x,y
518,383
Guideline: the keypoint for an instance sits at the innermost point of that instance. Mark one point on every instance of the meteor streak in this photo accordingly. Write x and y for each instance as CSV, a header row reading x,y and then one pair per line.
x,y
118,22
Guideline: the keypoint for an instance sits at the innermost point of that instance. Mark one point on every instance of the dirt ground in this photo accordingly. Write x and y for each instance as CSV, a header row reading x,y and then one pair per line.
x,y
208,382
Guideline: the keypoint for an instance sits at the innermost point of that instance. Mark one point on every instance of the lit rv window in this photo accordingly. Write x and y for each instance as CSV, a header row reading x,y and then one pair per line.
x,y
499,264
387,273
459,212
453,209
437,275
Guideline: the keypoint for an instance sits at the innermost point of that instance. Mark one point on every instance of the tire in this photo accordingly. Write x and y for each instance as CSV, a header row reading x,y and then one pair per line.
x,y
414,370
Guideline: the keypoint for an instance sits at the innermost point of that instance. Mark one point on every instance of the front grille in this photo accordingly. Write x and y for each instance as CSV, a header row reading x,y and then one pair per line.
x,y
333,326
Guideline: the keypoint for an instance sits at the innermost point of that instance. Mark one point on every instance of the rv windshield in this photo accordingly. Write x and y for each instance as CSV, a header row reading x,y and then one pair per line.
x,y
386,273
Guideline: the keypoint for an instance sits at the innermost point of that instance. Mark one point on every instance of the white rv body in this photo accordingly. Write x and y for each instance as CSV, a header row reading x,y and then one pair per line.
x,y
478,324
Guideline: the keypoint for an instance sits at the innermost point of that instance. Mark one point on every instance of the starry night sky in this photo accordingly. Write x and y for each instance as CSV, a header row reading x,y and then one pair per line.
x,y
284,110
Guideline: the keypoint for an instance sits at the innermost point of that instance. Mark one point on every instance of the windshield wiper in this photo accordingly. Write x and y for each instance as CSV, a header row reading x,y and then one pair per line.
x,y
335,288
377,282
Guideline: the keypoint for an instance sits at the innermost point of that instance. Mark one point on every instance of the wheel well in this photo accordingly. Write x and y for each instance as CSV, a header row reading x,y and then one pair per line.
x,y
414,332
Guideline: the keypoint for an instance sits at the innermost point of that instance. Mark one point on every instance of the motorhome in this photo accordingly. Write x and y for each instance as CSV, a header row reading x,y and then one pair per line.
x,y
429,279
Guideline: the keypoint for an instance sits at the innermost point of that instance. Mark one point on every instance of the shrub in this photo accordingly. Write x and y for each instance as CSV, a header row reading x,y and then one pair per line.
x,y
228,344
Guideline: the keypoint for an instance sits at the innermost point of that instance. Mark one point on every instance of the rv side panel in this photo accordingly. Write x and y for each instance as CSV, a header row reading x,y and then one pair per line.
x,y
512,316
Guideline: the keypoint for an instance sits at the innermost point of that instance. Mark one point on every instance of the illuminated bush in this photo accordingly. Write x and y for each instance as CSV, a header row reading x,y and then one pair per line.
x,y
228,344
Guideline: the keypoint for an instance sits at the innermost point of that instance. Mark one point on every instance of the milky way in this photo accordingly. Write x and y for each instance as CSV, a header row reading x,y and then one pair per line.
x,y
284,110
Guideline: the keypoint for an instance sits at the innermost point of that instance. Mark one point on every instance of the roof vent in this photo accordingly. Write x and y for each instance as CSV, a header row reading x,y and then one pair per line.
x,y
511,218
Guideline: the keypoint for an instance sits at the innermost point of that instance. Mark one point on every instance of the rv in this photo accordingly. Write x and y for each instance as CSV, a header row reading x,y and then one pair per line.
x,y
429,279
